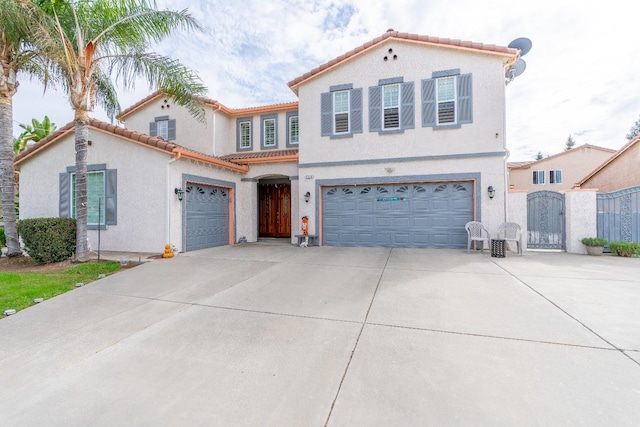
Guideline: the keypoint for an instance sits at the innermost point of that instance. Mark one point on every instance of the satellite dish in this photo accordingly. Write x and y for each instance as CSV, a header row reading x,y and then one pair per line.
x,y
518,67
523,44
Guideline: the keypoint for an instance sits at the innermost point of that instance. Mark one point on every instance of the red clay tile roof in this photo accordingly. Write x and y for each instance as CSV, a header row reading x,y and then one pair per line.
x,y
155,142
262,156
467,45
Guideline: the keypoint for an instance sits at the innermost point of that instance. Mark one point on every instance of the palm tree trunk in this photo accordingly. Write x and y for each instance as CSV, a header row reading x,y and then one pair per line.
x,y
81,122
7,180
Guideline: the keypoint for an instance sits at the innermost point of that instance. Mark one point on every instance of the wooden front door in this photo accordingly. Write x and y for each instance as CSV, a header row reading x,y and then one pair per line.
x,y
275,210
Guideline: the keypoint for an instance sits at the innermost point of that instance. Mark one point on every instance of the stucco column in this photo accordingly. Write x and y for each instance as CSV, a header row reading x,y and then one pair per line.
x,y
580,220
517,212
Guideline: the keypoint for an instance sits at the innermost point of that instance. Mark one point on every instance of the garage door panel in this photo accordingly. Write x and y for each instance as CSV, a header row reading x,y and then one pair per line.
x,y
403,215
207,217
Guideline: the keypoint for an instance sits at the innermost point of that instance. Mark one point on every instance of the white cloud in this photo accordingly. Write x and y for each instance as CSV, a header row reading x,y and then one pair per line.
x,y
580,77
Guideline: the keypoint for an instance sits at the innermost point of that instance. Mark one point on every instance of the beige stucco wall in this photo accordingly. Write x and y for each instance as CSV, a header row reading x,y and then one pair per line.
x,y
281,131
414,63
418,154
190,132
517,212
575,164
141,195
621,173
580,220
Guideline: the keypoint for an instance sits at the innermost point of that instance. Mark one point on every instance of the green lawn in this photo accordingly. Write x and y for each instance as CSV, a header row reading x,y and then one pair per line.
x,y
18,290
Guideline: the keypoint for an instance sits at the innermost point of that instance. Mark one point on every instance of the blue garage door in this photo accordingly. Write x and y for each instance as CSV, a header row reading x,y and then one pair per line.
x,y
415,215
207,216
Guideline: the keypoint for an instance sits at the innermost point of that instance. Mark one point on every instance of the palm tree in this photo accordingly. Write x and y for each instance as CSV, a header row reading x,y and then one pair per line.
x,y
17,54
99,43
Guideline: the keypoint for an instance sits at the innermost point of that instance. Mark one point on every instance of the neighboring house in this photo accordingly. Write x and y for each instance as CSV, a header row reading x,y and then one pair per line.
x,y
557,172
394,143
621,170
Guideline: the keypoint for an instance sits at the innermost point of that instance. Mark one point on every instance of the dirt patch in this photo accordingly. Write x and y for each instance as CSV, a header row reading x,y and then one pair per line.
x,y
24,264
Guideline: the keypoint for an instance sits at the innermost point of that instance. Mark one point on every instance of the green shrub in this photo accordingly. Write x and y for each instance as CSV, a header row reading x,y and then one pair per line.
x,y
594,241
625,248
48,240
3,238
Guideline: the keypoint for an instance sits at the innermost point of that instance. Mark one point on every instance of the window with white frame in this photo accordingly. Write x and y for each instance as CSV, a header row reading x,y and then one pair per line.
x,y
391,106
95,198
341,112
163,129
294,129
446,99
245,134
538,177
555,176
269,132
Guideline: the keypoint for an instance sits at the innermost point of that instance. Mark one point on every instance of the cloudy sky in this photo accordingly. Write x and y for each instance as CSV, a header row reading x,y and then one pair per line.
x,y
581,77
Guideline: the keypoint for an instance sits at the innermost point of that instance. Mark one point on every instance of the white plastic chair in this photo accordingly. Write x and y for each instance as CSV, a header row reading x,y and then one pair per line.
x,y
511,232
477,233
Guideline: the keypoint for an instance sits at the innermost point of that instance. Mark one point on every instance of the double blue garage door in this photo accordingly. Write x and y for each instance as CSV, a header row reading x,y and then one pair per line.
x,y
414,215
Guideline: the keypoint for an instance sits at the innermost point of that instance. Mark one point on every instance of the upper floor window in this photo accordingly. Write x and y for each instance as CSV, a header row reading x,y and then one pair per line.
x,y
341,111
244,133
447,100
293,129
164,127
555,176
538,177
269,131
391,106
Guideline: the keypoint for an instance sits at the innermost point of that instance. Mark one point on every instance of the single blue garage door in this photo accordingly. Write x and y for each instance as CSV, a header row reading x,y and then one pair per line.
x,y
207,216
413,215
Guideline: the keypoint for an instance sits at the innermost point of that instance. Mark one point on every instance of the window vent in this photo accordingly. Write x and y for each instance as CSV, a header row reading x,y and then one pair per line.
x,y
391,118
342,122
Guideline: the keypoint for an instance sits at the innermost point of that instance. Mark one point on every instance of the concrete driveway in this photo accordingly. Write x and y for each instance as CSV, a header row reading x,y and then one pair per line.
x,y
264,335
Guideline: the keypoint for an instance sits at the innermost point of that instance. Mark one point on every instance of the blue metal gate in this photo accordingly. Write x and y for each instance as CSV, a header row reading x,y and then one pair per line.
x,y
545,220
619,215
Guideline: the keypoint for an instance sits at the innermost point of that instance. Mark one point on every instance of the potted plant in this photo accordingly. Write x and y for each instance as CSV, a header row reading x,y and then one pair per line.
x,y
595,245
625,249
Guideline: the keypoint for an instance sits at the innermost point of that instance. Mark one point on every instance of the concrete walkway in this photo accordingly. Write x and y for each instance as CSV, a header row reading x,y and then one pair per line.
x,y
277,335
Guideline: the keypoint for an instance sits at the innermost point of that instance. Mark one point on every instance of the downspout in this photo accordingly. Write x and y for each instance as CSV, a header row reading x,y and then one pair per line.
x,y
169,195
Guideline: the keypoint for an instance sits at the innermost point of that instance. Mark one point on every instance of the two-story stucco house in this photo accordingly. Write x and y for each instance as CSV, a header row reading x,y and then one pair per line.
x,y
558,172
394,143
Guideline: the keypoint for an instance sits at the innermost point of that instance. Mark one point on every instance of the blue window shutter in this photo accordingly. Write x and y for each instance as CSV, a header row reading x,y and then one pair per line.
x,y
326,109
408,109
110,196
171,130
375,109
465,105
356,110
153,129
64,207
428,102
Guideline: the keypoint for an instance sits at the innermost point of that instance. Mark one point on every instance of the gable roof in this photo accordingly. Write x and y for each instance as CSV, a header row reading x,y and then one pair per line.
x,y
407,37
527,165
212,103
152,142
617,154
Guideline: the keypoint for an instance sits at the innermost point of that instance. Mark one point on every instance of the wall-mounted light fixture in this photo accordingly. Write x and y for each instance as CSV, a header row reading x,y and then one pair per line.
x,y
179,192
307,196
491,191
